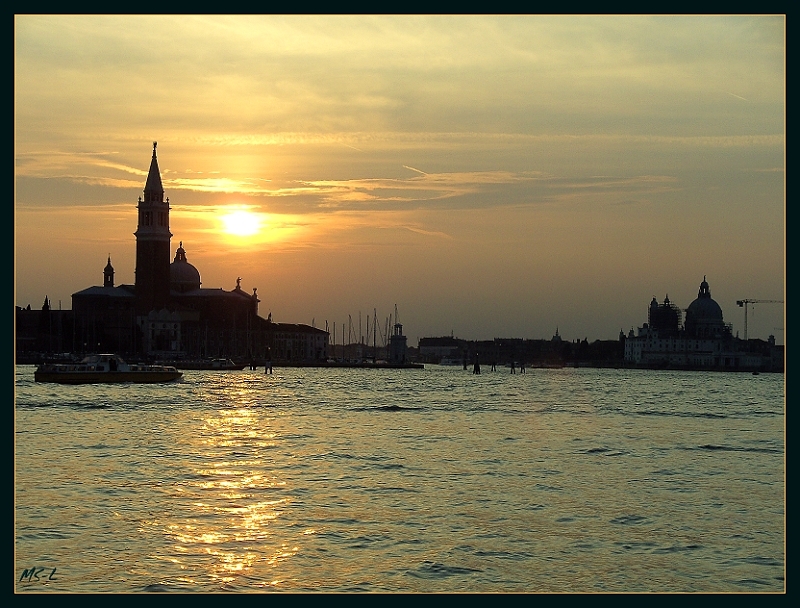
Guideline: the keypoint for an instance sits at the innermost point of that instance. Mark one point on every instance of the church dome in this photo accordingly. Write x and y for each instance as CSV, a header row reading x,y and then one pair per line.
x,y
704,308
704,315
183,276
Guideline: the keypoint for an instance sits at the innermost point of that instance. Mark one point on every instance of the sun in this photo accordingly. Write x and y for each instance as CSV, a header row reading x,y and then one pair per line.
x,y
241,223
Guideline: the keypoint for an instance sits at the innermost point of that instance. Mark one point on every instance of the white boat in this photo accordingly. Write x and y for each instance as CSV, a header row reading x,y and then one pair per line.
x,y
103,369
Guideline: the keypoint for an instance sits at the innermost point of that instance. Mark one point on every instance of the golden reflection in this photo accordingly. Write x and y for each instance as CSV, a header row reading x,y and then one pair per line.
x,y
223,522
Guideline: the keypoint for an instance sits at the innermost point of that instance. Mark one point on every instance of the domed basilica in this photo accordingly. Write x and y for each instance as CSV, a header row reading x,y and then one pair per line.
x,y
704,341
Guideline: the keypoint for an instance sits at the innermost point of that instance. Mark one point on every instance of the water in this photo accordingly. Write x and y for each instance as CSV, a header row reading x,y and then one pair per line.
x,y
434,480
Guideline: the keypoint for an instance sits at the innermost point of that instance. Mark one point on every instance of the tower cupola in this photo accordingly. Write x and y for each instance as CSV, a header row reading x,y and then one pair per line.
x,y
108,274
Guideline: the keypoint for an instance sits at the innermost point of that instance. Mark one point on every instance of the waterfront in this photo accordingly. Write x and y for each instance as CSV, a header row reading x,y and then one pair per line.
x,y
434,480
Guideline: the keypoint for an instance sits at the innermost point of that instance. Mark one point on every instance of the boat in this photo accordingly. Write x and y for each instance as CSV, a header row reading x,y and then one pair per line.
x,y
104,369
209,364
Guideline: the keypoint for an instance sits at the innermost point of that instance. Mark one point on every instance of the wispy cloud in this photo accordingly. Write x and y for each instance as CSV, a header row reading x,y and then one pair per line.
x,y
738,96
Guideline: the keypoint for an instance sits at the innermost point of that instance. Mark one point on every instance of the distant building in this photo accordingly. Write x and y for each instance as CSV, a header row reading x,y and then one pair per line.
x,y
704,341
294,342
434,349
42,331
167,314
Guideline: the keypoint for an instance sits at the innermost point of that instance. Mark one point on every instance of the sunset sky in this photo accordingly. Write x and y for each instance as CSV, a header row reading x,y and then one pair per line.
x,y
492,176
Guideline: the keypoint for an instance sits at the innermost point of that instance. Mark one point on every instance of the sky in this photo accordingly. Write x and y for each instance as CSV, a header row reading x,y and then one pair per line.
x,y
487,176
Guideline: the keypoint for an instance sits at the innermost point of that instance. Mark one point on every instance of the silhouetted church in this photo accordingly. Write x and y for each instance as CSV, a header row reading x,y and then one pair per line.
x,y
704,341
167,314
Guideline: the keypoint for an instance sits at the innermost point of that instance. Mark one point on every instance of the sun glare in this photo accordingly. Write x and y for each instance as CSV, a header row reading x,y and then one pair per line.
x,y
241,223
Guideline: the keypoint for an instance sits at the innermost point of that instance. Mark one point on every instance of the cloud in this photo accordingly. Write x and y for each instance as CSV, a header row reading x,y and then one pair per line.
x,y
424,188
252,76
738,96
413,169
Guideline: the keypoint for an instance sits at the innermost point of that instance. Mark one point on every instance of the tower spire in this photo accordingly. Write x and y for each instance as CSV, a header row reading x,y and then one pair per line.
x,y
108,274
153,190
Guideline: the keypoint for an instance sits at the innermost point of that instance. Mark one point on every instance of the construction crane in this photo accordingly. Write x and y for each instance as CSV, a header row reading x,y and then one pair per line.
x,y
744,303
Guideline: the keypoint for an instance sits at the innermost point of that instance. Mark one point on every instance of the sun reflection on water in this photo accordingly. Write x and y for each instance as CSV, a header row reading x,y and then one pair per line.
x,y
315,487
221,522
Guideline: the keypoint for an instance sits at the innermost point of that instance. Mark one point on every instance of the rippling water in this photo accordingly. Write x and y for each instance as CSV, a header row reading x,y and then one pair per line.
x,y
434,480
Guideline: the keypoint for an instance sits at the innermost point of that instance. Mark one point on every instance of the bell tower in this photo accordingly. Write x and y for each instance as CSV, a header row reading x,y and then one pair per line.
x,y
108,274
152,243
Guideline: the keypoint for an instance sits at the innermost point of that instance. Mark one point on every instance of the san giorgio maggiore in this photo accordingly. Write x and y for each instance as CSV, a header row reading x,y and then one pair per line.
x,y
704,341
167,314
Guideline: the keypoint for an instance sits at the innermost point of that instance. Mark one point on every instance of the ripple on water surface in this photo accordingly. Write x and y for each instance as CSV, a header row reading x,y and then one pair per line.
x,y
433,480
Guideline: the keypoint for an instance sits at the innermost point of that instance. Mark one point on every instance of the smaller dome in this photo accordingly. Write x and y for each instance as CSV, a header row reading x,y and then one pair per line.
x,y
183,276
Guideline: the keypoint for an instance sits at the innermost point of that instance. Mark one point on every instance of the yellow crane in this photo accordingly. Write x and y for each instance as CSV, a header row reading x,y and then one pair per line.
x,y
744,303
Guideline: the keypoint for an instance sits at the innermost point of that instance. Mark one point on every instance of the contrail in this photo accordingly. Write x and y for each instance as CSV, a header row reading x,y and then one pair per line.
x,y
738,96
413,169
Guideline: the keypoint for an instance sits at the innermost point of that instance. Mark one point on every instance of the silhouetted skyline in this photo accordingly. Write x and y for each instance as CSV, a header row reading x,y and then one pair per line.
x,y
491,176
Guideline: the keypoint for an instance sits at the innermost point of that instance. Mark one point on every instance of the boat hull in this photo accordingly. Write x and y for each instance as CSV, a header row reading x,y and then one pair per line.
x,y
146,377
105,368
